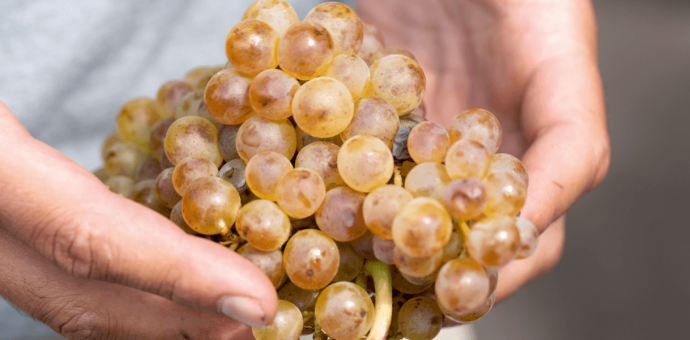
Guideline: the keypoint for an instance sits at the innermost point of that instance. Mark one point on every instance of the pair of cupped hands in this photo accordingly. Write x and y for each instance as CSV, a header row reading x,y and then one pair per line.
x,y
91,264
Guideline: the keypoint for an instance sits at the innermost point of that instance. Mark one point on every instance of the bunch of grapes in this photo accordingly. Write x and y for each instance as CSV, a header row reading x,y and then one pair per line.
x,y
309,155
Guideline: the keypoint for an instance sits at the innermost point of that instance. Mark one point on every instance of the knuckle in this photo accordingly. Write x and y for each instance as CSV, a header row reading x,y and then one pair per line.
x,y
74,321
82,250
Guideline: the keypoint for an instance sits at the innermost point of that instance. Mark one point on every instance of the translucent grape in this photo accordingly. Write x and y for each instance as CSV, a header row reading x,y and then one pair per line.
x,y
144,193
110,139
227,97
176,217
422,280
344,311
121,185
375,117
465,198
502,162
372,42
227,135
407,123
121,159
493,241
353,72
258,135
206,76
192,137
478,125
263,225
233,172
287,324
474,315
383,250
416,266
323,107
169,95
467,158
350,263
342,22
400,81
322,157
364,246
422,228
264,171
386,51
190,169
529,237
193,76
157,137
210,205
420,319
461,286
271,93
165,190
365,152
428,142
402,285
135,119
270,262
306,51
279,14
252,47
454,247
505,193
300,192
304,299
148,168
102,174
381,206
340,215
427,180
311,259
189,104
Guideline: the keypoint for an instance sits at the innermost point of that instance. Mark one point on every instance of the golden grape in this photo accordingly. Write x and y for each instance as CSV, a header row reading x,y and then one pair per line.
x,y
190,169
422,228
427,180
340,215
300,192
375,117
264,171
365,152
400,81
322,157
277,13
381,206
135,119
258,135
271,93
252,47
263,225
311,259
227,97
306,51
210,205
323,107
353,72
493,241
478,125
192,136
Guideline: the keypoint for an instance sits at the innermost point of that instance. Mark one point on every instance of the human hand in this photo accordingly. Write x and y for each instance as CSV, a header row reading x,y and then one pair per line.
x,y
91,264
534,65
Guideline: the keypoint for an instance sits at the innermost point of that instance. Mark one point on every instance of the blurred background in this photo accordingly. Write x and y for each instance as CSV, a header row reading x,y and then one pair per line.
x,y
625,267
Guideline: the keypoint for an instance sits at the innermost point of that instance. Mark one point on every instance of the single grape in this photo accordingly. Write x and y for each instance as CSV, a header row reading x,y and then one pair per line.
x,y
340,215
165,190
423,280
478,125
270,262
306,51
304,299
404,286
350,264
252,47
493,241
193,76
258,135
364,246
386,51
462,286
342,22
353,72
192,137
529,237
304,139
323,107
454,247
465,198
311,259
144,193
233,172
322,157
407,123
365,163
189,104
263,225
210,205
108,141
148,168
279,14
375,117
121,185
122,158
190,169
287,324
300,192
428,142
427,180
372,42
271,93
476,314
157,137
169,95
227,97
344,311
264,171
505,193
420,319
381,206
416,266
502,162
135,119
383,250
422,228
400,81
102,174
176,217
467,158
227,135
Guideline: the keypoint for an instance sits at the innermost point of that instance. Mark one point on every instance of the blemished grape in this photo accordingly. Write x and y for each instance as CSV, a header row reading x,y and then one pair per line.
x,y
190,169
427,180
365,152
108,141
101,174
423,280
454,247
210,205
311,259
304,139
505,193
157,137
375,117
270,262
304,299
467,158
465,198
148,168
461,286
322,157
193,76
271,93
428,142
169,95
233,172
420,319
264,171
404,286
192,137
121,159
323,107
478,125
165,190
144,192
383,250
364,246
189,104
227,97
422,228
493,241
252,47
353,72
372,42
176,217
340,215
342,23
121,185
258,135
381,206
279,14
407,123
263,225
135,119
306,51
344,311
386,51
400,81
227,135
416,266
300,192
350,263
474,315
529,237
502,162
287,324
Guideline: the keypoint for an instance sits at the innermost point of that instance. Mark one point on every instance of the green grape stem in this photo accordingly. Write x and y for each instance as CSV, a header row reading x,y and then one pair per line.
x,y
361,281
383,286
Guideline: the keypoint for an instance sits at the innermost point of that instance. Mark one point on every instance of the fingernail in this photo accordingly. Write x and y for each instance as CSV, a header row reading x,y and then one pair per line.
x,y
243,309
